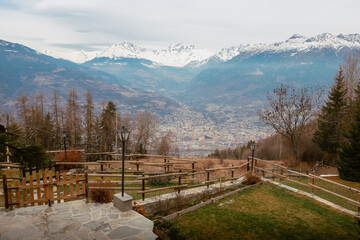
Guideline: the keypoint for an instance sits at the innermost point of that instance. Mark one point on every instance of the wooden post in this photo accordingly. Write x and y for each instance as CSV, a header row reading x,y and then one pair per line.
x,y
232,174
137,164
248,165
102,169
208,178
58,193
24,191
38,191
51,188
168,166
71,185
143,188
165,164
179,182
6,197
312,188
31,182
193,169
87,187
263,173
77,187
64,185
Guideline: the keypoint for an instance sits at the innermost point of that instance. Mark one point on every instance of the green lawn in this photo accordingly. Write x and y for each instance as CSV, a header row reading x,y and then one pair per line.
x,y
334,188
266,212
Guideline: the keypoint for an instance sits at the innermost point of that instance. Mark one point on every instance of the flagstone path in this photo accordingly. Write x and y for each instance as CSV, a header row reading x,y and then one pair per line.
x,y
74,220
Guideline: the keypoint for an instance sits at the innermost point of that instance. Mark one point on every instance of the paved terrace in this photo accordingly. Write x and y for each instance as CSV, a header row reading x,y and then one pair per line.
x,y
74,220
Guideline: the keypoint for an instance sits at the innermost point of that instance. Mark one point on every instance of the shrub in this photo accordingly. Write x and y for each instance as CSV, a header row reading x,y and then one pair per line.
x,y
71,156
101,194
171,230
250,180
159,180
139,209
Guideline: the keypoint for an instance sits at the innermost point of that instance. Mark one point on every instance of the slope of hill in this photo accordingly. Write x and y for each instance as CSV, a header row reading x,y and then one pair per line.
x,y
23,70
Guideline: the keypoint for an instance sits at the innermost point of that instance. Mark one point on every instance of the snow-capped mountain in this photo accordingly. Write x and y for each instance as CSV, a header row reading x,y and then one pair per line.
x,y
74,56
296,43
179,55
176,55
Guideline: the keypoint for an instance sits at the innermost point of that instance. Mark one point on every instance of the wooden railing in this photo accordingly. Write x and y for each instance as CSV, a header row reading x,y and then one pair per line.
x,y
45,190
286,173
181,175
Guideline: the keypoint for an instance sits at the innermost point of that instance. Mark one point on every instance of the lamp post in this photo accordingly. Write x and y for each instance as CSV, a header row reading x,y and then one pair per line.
x,y
124,136
252,147
64,136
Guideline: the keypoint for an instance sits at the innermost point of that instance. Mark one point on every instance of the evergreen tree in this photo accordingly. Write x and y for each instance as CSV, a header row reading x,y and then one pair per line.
x,y
108,126
349,151
330,123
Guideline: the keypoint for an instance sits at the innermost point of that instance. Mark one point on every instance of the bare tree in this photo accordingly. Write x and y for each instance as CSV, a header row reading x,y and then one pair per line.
x,y
89,121
351,70
73,119
57,113
24,114
289,110
146,125
164,147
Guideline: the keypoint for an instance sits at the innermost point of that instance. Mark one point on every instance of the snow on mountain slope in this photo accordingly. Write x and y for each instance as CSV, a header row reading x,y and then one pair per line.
x,y
176,55
296,43
75,56
179,55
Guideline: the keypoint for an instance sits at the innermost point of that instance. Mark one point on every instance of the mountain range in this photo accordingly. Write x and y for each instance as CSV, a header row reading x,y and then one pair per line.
x,y
161,80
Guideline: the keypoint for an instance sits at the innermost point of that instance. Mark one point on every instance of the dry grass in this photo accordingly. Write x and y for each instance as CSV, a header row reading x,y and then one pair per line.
x,y
266,212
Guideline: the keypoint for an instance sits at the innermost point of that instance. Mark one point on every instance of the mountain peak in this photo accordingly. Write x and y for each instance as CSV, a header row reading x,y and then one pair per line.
x,y
180,47
296,36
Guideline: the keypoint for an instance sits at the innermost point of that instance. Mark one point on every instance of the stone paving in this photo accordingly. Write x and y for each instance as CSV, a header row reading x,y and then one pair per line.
x,y
74,220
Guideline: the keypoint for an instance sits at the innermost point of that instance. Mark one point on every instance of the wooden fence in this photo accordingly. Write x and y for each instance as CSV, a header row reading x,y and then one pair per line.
x,y
285,173
61,187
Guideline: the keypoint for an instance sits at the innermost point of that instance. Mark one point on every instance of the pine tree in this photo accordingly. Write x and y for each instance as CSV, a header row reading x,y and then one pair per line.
x,y
107,126
330,123
349,151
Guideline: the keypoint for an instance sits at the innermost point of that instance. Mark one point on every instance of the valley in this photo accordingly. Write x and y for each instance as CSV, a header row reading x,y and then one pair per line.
x,y
206,100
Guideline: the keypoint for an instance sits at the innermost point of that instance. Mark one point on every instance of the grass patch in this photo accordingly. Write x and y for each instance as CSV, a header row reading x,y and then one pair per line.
x,y
266,212
339,190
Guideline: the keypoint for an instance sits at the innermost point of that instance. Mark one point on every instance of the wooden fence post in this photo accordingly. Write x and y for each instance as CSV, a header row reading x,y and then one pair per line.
x,y
102,169
193,169
312,188
6,196
143,188
179,182
263,173
137,164
165,164
208,178
248,165
86,187
232,174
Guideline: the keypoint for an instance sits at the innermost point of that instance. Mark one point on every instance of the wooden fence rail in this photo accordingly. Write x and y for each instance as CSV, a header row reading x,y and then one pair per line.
x,y
311,185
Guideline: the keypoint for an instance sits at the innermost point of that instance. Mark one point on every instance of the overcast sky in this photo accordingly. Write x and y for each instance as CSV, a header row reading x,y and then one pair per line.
x,y
95,24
